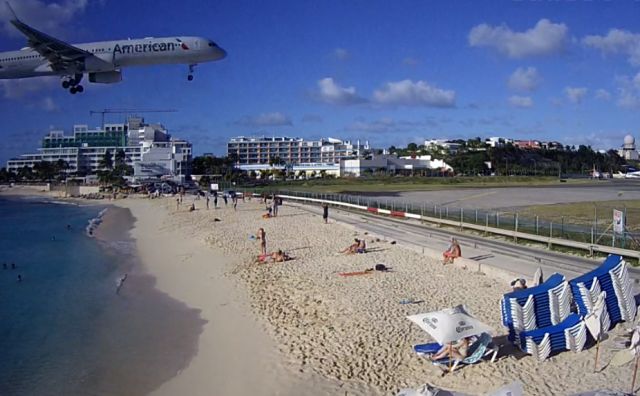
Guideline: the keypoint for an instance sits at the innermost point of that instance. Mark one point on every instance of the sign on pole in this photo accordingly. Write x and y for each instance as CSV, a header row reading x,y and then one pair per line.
x,y
214,186
618,221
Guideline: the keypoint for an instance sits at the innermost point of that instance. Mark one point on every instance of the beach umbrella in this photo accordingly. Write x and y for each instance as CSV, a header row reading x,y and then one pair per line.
x,y
450,324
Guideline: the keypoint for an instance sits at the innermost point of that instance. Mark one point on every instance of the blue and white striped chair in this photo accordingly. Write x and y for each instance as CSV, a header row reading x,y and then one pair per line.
x,y
570,334
612,277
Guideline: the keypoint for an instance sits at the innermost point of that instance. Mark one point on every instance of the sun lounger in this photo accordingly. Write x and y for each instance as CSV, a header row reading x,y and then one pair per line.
x,y
611,277
541,306
477,351
570,334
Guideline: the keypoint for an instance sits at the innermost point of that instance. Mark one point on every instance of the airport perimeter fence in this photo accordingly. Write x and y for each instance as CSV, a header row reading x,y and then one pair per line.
x,y
594,231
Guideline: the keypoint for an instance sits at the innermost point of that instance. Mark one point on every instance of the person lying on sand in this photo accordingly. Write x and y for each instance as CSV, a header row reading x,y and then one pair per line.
x,y
280,257
353,248
275,257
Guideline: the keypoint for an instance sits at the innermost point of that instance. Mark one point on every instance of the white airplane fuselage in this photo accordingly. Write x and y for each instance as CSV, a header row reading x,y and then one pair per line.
x,y
111,56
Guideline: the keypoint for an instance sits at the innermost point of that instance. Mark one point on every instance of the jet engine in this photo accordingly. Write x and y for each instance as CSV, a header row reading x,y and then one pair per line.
x,y
109,77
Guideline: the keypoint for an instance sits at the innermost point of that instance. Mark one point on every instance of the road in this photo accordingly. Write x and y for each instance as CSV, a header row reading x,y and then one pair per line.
x,y
519,259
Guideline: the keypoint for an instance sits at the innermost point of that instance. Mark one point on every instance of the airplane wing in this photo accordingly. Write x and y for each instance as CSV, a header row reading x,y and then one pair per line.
x,y
61,56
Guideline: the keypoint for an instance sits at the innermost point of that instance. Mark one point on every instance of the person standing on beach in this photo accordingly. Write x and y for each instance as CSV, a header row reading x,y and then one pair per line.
x,y
262,237
224,198
275,206
207,202
215,200
235,202
177,204
325,212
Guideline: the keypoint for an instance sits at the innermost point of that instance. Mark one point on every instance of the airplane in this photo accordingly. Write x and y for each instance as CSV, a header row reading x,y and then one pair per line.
x,y
102,61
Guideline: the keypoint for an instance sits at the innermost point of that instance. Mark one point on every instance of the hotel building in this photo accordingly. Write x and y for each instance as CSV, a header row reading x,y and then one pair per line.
x,y
148,148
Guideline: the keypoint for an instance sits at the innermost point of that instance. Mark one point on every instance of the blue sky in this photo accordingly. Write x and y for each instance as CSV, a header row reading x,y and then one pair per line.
x,y
387,72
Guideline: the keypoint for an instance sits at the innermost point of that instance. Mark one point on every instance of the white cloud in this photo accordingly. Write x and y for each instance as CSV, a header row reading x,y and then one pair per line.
x,y
575,94
419,93
603,94
25,87
545,38
628,92
48,104
524,79
265,120
50,17
330,92
309,118
522,102
617,41
409,61
341,54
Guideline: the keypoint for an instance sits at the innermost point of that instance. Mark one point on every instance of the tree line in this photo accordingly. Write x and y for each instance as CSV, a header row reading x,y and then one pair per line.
x,y
473,157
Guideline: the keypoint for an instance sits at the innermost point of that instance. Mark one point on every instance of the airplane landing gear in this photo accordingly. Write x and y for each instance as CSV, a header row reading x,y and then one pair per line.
x,y
72,83
190,76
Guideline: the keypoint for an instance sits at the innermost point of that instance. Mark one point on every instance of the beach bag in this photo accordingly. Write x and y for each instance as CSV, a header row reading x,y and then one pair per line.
x,y
381,267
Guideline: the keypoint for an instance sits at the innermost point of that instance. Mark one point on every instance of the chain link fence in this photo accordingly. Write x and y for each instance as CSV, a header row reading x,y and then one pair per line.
x,y
596,229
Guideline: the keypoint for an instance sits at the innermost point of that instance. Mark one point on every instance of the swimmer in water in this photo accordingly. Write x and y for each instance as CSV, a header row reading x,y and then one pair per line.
x,y
120,283
19,278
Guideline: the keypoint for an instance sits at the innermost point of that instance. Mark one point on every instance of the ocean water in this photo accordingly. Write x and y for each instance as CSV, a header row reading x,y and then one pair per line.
x,y
63,329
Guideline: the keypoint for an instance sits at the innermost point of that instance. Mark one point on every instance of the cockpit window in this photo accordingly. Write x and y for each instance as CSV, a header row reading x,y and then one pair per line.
x,y
212,44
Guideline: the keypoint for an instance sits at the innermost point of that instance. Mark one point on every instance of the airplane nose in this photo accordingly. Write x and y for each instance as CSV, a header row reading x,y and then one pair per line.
x,y
220,53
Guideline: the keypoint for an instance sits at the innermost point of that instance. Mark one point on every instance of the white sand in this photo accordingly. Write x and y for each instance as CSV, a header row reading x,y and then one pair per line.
x,y
333,334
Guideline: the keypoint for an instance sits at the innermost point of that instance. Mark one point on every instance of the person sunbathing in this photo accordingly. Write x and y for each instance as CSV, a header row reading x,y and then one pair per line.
x,y
458,351
353,248
362,247
280,257
452,252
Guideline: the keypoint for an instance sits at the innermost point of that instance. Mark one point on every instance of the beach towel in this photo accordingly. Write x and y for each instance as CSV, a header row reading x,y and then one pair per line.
x,y
365,272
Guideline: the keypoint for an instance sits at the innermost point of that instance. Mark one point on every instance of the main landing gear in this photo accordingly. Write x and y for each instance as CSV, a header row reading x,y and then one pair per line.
x,y
190,76
72,83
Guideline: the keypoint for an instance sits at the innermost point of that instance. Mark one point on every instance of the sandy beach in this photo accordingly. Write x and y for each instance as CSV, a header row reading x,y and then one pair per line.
x,y
300,328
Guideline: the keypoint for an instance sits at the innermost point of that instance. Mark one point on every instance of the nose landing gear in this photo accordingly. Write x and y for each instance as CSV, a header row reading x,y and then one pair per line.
x,y
190,76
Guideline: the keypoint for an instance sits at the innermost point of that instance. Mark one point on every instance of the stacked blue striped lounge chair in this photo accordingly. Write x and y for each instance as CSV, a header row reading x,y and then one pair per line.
x,y
570,334
541,306
612,278
545,307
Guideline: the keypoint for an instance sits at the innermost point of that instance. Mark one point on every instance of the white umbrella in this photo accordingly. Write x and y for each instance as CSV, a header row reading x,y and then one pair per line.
x,y
450,325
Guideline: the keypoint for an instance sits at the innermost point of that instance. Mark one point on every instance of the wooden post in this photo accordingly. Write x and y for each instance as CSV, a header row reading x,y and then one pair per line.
x,y
595,366
515,234
635,372
550,234
461,218
537,225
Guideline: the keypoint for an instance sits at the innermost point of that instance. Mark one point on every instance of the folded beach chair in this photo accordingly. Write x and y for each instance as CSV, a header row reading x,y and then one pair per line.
x,y
570,334
477,351
611,277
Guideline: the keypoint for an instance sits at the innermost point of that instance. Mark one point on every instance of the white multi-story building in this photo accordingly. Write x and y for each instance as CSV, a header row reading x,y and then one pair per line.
x,y
148,148
255,153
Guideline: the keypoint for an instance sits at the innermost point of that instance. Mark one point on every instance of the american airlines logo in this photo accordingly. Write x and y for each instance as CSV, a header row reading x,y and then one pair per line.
x,y
155,47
